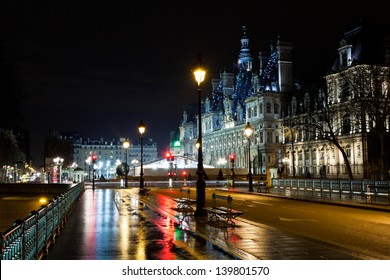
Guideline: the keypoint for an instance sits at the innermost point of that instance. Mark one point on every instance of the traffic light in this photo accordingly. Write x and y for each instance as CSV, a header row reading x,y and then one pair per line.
x,y
232,158
94,158
169,156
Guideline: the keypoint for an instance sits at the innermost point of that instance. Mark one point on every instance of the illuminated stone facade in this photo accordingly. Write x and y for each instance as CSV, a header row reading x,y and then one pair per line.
x,y
273,100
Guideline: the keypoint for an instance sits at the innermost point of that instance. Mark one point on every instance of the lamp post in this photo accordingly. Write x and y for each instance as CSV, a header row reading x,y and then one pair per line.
x,y
141,129
232,160
286,162
290,126
58,161
200,73
134,162
94,159
248,131
293,152
126,145
222,162
89,161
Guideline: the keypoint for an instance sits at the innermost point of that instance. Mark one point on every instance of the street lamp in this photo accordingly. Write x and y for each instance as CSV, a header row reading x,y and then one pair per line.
x,y
94,159
200,73
222,162
232,161
286,162
248,131
141,129
134,162
58,161
89,162
126,145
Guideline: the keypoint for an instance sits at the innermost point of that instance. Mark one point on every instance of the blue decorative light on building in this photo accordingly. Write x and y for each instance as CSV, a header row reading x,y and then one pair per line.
x,y
244,79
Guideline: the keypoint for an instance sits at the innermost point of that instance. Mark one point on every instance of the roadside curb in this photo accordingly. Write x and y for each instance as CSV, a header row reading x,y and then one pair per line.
x,y
373,207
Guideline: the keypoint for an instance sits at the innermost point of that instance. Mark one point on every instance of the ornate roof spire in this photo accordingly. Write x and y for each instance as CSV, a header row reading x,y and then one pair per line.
x,y
244,57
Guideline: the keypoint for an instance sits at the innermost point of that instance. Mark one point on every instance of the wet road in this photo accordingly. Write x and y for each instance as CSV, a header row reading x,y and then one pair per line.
x,y
363,231
115,224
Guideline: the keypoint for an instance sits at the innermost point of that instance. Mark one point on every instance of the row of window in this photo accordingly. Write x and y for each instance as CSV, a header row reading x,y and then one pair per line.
x,y
306,154
253,112
235,141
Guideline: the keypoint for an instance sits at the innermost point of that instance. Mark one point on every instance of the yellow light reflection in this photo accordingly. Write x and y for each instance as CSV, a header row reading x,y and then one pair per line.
x,y
124,234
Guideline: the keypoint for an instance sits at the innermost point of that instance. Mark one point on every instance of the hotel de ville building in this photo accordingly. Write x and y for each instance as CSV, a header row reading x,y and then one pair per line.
x,y
338,130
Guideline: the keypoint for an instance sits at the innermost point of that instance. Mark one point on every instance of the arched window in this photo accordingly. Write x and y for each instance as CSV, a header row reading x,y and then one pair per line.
x,y
276,108
314,155
268,107
293,105
346,124
345,91
348,151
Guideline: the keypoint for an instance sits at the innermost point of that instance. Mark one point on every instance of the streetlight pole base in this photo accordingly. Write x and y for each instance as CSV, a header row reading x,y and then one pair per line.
x,y
250,182
200,195
143,191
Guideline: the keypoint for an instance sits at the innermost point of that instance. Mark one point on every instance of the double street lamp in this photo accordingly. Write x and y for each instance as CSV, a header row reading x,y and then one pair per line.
x,y
126,146
88,161
58,162
141,129
134,161
200,73
248,131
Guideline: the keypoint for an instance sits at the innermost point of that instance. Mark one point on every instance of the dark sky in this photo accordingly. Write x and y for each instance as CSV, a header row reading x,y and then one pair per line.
x,y
98,67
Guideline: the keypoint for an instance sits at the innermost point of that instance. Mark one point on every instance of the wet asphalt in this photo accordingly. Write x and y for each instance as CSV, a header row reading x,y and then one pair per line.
x,y
120,224
113,224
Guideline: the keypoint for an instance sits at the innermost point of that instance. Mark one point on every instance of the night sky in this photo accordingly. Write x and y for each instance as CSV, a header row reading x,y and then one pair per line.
x,y
98,67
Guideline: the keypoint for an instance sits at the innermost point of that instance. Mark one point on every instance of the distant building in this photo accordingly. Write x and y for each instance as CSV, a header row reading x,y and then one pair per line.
x,y
110,153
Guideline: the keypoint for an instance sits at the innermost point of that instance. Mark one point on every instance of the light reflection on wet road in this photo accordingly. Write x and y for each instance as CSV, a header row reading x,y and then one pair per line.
x,y
114,224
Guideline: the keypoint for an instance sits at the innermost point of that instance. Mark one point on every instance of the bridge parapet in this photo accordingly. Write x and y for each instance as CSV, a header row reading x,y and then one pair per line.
x,y
31,237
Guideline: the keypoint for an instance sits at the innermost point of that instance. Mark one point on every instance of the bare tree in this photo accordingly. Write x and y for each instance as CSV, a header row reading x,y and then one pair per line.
x,y
289,136
319,119
368,87
328,121
10,151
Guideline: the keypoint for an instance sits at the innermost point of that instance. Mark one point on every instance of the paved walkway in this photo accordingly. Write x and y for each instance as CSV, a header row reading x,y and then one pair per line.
x,y
119,224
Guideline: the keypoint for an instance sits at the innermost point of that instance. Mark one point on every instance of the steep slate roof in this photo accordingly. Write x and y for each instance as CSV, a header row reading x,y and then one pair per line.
x,y
370,44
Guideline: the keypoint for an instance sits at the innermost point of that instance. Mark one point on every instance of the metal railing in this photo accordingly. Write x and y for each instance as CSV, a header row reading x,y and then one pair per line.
x,y
30,238
377,189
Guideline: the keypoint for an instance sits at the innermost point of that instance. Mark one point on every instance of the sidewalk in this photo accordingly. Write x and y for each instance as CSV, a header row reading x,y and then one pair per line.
x,y
112,223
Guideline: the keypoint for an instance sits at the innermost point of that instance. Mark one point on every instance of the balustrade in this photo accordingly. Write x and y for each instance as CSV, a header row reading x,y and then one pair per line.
x,y
30,237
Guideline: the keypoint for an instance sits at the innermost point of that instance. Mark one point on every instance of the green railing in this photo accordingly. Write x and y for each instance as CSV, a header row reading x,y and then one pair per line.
x,y
30,238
